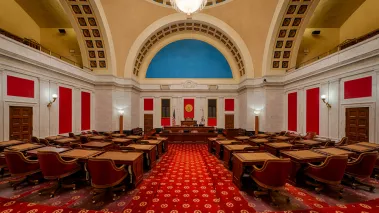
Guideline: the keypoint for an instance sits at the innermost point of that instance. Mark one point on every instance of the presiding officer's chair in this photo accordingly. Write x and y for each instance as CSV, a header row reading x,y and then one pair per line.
x,y
21,168
271,177
329,173
106,176
53,167
360,170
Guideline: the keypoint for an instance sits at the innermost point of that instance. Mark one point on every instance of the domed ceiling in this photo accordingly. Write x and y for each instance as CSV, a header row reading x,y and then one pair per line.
x,y
211,3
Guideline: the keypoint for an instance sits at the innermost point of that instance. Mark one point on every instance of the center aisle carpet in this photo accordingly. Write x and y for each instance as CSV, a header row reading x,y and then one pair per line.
x,y
188,179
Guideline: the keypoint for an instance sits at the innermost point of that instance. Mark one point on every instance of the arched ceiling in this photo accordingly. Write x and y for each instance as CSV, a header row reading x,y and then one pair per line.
x,y
211,3
189,26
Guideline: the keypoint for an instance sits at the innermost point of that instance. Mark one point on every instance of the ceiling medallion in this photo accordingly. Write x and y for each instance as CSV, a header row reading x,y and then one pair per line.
x,y
188,6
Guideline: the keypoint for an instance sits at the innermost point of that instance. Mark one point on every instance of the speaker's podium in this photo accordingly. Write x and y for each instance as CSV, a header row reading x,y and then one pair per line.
x,y
188,122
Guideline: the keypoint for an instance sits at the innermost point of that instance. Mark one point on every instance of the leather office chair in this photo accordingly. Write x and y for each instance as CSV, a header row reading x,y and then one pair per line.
x,y
271,177
330,172
94,132
53,167
106,176
343,141
84,139
44,142
35,139
21,168
360,170
309,136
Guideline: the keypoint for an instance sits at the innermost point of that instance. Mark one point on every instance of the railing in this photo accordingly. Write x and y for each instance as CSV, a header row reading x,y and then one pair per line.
x,y
32,43
346,44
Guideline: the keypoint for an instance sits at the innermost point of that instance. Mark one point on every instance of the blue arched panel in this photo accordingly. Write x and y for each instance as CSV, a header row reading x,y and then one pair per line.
x,y
189,58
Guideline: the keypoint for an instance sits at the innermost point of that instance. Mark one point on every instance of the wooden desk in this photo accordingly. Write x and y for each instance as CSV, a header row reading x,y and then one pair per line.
x,y
150,153
187,123
122,141
133,159
188,137
309,143
219,147
275,148
242,138
24,147
65,141
241,160
158,144
97,145
262,135
258,141
282,138
368,144
334,151
299,159
82,154
53,138
97,138
47,149
357,148
134,137
200,129
118,135
228,151
5,144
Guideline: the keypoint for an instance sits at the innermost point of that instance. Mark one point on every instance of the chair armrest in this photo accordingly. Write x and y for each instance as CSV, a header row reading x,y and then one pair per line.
x,y
70,161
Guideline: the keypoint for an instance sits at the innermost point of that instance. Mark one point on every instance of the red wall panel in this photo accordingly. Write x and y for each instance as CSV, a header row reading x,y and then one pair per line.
x,y
148,104
165,121
20,87
292,111
86,111
358,88
313,110
229,105
190,114
212,121
65,110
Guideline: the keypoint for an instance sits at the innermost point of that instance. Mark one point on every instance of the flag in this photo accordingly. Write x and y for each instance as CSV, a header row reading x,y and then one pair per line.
x,y
173,118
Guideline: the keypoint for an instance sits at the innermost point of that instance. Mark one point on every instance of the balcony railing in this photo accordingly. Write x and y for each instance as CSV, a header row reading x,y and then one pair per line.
x,y
346,44
32,43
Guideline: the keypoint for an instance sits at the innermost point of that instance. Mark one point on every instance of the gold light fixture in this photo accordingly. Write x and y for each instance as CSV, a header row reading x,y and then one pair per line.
x,y
55,96
188,6
323,98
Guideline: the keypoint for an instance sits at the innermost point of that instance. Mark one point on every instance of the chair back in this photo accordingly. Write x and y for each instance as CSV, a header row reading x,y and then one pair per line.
x,y
309,135
331,171
95,132
71,135
18,164
104,173
84,139
44,142
35,139
273,174
343,141
54,167
363,166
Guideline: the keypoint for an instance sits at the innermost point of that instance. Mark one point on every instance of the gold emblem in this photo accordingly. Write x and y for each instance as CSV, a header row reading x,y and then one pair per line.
x,y
189,108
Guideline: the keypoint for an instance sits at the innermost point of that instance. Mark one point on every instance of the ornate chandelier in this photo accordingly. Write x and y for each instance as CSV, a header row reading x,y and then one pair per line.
x,y
188,6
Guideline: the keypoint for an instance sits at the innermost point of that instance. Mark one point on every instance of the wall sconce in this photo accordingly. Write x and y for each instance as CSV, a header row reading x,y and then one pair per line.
x,y
55,96
323,98
121,112
257,112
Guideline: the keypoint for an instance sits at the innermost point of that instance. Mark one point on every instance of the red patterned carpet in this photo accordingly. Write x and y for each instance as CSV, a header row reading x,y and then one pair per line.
x,y
186,180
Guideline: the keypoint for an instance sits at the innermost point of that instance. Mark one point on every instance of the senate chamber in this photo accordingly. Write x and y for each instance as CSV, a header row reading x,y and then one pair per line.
x,y
189,106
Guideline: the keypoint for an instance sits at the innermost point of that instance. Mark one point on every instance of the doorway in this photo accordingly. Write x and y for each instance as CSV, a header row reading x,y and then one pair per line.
x,y
20,123
148,122
357,124
229,121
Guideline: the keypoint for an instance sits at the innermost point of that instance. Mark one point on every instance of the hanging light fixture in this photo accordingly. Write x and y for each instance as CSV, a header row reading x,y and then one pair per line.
x,y
188,6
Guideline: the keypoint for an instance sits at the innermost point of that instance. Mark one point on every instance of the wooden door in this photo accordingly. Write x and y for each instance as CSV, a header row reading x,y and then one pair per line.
x,y
357,124
229,121
148,122
20,123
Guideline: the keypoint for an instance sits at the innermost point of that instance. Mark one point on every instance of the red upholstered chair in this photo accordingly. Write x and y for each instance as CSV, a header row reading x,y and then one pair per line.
x,y
84,139
3,164
53,167
330,173
360,170
271,177
106,176
309,136
21,168
95,132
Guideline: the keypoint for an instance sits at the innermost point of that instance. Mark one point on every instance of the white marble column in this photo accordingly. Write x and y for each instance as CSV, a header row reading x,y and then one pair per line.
x,y
221,112
157,112
76,110
2,121
44,98
54,109
334,111
301,103
324,111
